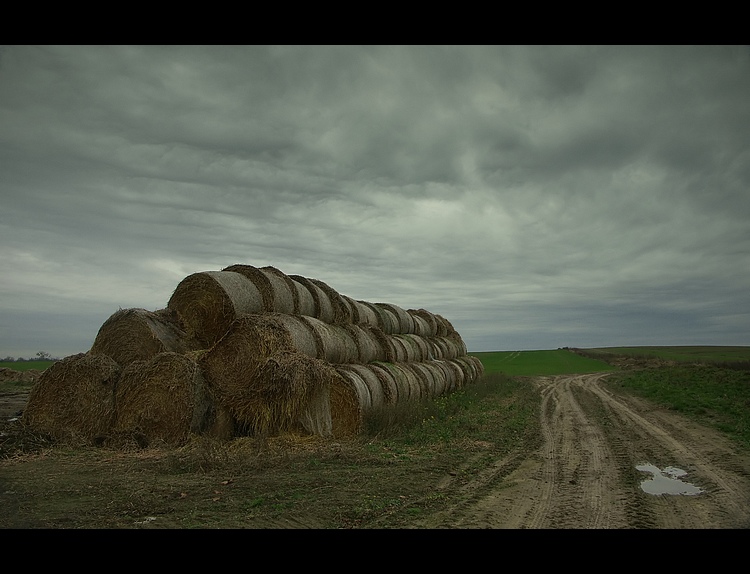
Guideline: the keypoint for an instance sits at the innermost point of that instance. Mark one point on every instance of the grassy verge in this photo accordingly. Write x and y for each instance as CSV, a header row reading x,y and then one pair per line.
x,y
714,396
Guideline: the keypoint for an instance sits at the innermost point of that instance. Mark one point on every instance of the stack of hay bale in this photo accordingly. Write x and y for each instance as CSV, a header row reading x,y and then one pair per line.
x,y
249,350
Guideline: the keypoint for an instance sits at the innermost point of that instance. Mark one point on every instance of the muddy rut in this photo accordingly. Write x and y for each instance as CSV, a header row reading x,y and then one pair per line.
x,y
584,475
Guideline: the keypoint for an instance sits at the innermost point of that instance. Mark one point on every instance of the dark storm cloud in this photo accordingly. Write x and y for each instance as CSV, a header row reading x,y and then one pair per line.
x,y
537,196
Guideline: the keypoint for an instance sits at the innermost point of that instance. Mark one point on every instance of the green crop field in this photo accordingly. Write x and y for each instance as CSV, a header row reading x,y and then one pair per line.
x,y
26,365
532,363
689,354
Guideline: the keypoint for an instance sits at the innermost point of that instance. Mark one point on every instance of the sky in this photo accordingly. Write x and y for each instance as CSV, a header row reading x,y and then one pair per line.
x,y
537,197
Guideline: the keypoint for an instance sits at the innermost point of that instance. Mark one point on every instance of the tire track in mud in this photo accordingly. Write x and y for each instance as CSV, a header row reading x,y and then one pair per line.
x,y
584,475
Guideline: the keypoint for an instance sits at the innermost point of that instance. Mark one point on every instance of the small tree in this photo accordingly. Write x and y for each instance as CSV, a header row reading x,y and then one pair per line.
x,y
43,356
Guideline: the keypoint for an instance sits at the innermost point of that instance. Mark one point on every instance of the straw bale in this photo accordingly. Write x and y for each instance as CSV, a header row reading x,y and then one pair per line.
x,y
444,327
207,302
353,309
342,312
370,379
407,383
367,314
336,343
369,343
74,398
440,376
387,382
231,364
345,400
472,367
137,335
355,380
162,399
302,333
276,289
421,327
388,319
306,301
404,320
478,365
425,377
323,308
429,319
455,376
289,391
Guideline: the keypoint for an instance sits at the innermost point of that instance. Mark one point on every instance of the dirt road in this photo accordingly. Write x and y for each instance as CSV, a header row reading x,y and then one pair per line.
x,y
585,475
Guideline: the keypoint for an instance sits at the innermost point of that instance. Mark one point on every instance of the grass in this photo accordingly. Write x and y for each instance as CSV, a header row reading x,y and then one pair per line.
x,y
712,395
535,363
690,354
26,365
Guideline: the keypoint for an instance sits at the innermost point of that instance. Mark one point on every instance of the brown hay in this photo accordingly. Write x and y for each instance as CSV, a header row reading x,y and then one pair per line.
x,y
306,302
302,334
429,320
368,342
231,364
163,399
409,387
276,289
74,398
207,303
289,390
323,308
346,408
370,379
404,323
342,312
138,335
336,343
387,382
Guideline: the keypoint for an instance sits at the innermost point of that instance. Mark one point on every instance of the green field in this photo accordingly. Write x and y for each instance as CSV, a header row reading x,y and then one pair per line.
x,y
26,365
689,354
532,363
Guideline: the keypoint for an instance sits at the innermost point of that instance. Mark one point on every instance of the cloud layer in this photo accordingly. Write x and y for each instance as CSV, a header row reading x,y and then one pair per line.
x,y
537,197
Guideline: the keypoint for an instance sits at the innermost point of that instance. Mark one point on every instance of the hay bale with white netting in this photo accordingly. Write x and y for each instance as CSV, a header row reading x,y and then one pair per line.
x,y
335,341
277,290
137,335
74,398
389,322
427,322
369,343
387,383
406,381
302,334
163,399
372,382
342,311
307,304
206,303
322,308
367,315
404,320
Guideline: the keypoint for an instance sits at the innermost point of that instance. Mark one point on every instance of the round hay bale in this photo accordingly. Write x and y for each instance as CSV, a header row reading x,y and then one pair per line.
x,y
335,342
400,352
454,375
206,303
342,312
388,319
162,399
472,368
307,304
231,364
387,383
370,379
323,308
302,334
425,377
439,384
138,335
368,342
421,327
404,321
74,398
428,319
478,365
444,327
346,398
408,386
353,309
277,291
367,314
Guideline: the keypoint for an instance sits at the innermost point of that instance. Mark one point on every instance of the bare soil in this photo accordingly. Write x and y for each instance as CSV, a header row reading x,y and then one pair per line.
x,y
576,471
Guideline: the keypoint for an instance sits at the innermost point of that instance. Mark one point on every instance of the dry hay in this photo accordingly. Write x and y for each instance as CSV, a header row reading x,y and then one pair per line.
x,y
388,320
277,290
138,335
408,386
342,311
370,380
306,300
472,368
366,314
163,399
11,375
206,303
426,320
302,334
288,391
353,309
387,382
336,344
404,322
323,309
455,376
230,365
369,342
74,398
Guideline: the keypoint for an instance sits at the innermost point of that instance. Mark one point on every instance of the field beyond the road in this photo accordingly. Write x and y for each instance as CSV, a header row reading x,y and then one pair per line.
x,y
536,363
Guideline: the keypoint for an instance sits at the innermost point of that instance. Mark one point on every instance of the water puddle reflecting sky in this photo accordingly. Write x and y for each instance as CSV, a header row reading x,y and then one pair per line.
x,y
666,481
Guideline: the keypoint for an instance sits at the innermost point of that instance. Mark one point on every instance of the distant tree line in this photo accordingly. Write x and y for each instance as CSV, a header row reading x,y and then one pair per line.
x,y
40,356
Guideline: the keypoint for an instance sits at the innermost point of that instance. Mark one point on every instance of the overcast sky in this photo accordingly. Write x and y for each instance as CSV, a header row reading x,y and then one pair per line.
x,y
535,196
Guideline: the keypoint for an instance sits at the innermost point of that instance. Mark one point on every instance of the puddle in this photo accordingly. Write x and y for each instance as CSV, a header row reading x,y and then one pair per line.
x,y
666,481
